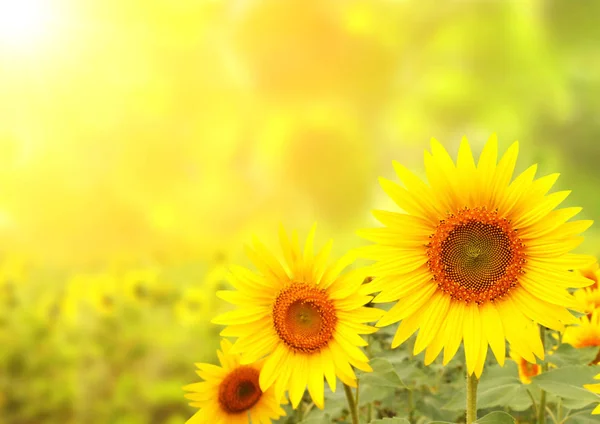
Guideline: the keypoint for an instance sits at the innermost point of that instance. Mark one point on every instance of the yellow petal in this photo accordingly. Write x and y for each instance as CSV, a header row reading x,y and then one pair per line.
x,y
272,366
408,305
315,380
472,335
493,330
454,330
435,315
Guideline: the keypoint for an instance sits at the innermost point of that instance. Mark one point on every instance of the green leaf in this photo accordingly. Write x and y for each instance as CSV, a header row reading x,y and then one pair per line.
x,y
577,314
335,404
497,417
384,374
567,382
320,419
370,393
431,406
583,417
391,421
567,355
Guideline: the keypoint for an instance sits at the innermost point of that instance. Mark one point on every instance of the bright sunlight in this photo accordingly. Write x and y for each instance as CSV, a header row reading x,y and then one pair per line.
x,y
24,23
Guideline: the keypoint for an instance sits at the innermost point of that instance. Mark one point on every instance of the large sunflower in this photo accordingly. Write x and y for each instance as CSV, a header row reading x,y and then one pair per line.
x,y
475,257
306,318
231,393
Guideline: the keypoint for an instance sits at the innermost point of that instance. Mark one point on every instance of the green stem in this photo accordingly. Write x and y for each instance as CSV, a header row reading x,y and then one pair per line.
x,y
535,408
300,412
542,408
471,398
351,404
411,408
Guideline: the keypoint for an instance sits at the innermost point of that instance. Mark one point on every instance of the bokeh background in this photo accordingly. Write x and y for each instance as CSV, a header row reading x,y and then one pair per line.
x,y
142,143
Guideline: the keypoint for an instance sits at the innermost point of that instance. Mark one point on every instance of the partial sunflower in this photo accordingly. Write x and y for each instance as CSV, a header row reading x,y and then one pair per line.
x,y
589,297
593,273
306,318
596,389
526,369
585,334
231,393
475,257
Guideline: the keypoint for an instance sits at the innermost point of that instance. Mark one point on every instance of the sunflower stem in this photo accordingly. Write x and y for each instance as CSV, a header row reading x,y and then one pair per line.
x,y
352,406
300,412
472,382
542,408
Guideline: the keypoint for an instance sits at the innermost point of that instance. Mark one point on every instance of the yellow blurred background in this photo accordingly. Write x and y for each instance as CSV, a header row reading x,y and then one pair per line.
x,y
142,143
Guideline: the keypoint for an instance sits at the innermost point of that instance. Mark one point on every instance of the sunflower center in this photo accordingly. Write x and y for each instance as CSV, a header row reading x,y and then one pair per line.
x,y
528,369
239,391
476,256
304,317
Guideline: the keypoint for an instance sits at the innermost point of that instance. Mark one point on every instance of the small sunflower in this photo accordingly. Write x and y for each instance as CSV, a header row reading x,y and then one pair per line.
x,y
526,368
589,297
593,273
596,389
305,319
475,257
230,394
586,334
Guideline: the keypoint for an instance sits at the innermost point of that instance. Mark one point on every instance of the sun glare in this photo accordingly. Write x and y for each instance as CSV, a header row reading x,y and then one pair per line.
x,y
24,23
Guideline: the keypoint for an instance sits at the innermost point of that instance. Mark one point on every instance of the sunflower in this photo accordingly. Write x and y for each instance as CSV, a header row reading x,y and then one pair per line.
x,y
305,319
231,393
589,297
596,389
475,257
593,273
586,334
526,369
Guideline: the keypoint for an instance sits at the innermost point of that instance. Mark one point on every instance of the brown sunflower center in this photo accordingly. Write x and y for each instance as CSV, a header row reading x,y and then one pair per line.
x,y
476,256
304,317
528,369
239,391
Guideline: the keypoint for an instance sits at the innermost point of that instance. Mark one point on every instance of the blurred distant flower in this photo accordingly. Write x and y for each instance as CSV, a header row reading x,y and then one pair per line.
x,y
141,285
13,273
306,318
526,369
48,307
216,278
475,257
98,291
231,393
585,334
193,307
596,389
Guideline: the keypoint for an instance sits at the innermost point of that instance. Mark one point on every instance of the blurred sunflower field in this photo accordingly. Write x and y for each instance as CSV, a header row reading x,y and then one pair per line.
x,y
144,143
